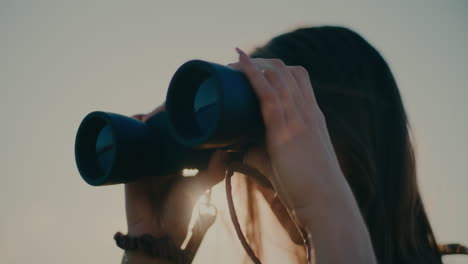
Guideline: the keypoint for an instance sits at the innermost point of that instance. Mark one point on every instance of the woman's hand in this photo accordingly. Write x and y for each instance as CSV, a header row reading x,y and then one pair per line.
x,y
304,169
163,205
297,141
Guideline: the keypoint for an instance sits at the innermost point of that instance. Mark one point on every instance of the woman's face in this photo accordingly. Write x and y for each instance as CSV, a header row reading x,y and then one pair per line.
x,y
257,157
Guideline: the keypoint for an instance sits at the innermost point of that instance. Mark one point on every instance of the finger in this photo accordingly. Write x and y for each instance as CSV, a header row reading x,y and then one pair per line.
x,y
302,78
272,113
289,91
283,81
234,66
296,91
284,89
158,109
216,170
138,116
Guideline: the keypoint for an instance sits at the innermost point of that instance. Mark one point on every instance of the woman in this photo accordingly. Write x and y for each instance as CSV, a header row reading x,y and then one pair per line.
x,y
337,153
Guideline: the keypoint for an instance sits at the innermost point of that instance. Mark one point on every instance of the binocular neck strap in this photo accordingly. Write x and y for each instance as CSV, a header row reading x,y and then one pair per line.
x,y
239,167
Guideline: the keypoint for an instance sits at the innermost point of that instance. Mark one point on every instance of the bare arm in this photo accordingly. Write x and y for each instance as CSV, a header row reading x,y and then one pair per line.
x,y
335,227
138,258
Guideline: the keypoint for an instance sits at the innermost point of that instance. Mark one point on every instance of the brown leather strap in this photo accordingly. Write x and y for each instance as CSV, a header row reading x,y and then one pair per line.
x,y
161,247
233,166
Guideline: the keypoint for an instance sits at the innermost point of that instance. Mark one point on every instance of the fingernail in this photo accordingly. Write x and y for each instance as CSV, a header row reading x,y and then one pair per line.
x,y
241,53
234,66
138,117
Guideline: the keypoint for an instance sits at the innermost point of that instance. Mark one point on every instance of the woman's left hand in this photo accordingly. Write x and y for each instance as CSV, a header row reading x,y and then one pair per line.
x,y
303,161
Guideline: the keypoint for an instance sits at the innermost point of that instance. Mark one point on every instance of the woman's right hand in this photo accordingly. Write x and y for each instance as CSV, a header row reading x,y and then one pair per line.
x,y
162,205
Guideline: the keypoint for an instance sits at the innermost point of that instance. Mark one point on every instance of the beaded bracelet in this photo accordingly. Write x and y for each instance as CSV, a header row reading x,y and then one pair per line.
x,y
151,246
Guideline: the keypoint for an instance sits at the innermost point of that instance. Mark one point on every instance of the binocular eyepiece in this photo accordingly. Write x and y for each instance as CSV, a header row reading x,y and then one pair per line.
x,y
208,106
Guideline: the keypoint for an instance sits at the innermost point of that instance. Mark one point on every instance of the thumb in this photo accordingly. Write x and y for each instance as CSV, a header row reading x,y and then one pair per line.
x,y
216,168
211,176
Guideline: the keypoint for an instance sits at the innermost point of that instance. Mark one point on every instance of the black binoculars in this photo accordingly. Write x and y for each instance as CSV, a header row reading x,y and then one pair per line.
x,y
208,107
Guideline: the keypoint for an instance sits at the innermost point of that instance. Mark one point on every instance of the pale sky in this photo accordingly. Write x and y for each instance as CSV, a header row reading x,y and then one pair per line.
x,y
60,60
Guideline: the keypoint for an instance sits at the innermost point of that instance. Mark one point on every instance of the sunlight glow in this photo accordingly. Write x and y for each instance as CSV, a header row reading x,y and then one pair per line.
x,y
189,172
202,207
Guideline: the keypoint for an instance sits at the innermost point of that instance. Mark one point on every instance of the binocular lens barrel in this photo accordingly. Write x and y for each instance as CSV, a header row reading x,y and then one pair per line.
x,y
212,106
208,106
107,145
112,149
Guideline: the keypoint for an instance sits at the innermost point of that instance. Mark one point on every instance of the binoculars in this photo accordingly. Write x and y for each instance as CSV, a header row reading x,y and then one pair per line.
x,y
208,107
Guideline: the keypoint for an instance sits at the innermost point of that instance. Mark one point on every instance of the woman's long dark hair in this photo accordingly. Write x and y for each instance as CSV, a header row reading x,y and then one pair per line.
x,y
369,128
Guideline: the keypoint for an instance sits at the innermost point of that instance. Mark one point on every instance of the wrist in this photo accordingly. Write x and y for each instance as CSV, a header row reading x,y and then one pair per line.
x,y
328,198
136,257
144,229
333,227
